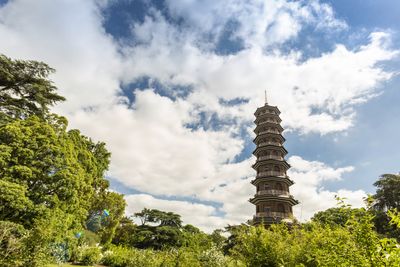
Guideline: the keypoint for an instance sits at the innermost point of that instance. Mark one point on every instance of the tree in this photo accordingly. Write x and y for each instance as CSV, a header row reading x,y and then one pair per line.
x,y
125,232
388,192
160,217
387,198
47,167
114,204
166,233
25,89
336,216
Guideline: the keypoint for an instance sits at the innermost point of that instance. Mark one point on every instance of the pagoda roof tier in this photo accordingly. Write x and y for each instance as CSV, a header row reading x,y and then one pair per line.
x,y
284,179
265,125
269,147
269,134
266,198
267,116
282,163
267,109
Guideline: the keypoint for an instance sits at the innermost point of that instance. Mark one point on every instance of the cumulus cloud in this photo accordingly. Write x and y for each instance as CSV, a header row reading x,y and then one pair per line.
x,y
315,95
309,177
67,35
258,23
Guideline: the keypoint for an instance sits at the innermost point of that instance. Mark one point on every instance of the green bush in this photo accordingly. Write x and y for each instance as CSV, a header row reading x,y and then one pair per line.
x,y
12,247
130,257
90,256
116,256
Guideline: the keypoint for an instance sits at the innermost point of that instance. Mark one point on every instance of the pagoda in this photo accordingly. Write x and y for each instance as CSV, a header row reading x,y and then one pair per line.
x,y
272,199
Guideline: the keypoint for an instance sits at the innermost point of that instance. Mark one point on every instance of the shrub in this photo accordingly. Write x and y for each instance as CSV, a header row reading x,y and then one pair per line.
x,y
12,248
212,258
116,256
90,256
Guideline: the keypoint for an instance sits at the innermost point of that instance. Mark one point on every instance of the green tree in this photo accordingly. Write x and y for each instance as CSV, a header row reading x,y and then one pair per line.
x,y
14,203
160,217
388,192
125,232
387,198
114,204
53,168
336,216
25,89
163,231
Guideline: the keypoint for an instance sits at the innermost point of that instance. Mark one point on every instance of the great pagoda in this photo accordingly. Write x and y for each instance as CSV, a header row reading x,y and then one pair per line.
x,y
272,199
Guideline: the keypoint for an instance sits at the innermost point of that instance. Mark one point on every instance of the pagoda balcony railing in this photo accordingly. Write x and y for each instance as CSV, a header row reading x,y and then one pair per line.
x,y
267,121
269,131
274,214
269,143
270,157
273,192
271,173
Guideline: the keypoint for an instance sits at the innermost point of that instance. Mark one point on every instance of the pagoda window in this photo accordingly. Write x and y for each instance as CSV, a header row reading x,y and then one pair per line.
x,y
280,207
279,186
276,168
267,186
267,209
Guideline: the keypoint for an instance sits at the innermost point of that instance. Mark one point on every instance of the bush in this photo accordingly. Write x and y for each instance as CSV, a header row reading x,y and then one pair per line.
x,y
12,247
130,257
90,256
116,256
213,258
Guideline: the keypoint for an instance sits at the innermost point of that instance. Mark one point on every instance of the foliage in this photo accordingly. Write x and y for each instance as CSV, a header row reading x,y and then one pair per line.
x,y
387,198
50,233
53,168
126,257
25,89
14,203
105,226
90,255
165,230
160,217
314,244
388,192
336,216
124,233
12,240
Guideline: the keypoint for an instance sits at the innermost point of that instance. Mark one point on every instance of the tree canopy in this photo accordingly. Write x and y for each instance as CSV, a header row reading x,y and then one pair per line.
x,y
25,89
388,192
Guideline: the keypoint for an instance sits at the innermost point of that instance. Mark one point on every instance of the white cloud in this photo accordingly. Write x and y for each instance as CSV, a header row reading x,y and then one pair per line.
x,y
309,177
152,149
67,35
259,23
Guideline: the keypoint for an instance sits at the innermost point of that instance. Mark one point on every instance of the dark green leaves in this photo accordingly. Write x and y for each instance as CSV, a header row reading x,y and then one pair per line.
x,y
25,89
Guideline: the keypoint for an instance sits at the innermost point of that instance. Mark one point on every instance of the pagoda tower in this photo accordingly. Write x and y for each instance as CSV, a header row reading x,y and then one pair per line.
x,y
272,199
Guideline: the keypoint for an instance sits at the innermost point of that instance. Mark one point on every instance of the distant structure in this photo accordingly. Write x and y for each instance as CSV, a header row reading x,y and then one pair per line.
x,y
272,199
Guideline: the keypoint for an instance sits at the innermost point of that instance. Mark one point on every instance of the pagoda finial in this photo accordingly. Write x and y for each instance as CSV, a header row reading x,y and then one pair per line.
x,y
265,92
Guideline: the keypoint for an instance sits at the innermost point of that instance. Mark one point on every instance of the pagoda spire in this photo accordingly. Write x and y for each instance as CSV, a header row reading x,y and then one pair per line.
x,y
265,98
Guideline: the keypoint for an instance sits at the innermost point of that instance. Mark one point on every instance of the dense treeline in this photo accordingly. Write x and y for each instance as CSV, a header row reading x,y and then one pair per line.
x,y
56,206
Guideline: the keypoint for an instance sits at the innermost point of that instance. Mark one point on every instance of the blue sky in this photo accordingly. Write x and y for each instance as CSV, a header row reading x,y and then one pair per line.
x,y
171,87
